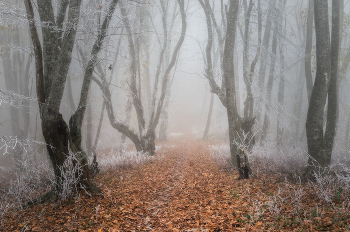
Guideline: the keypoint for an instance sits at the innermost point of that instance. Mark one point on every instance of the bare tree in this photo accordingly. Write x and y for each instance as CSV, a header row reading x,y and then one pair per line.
x,y
144,140
237,156
53,55
320,144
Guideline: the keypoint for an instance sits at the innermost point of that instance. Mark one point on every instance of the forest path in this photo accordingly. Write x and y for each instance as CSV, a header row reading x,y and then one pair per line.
x,y
185,190
181,189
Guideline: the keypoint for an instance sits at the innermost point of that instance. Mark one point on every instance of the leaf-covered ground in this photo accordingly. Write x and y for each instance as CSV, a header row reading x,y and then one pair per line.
x,y
182,190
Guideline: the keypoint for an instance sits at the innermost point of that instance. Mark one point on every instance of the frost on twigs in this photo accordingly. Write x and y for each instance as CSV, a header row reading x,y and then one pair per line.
x,y
71,172
30,176
13,99
221,155
288,160
122,159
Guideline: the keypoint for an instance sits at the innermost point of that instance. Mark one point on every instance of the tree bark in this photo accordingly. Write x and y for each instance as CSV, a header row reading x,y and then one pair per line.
x,y
332,111
238,158
52,66
314,121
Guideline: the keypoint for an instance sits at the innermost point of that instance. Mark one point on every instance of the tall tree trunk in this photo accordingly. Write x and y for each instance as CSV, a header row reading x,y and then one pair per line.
x,y
264,56
281,86
52,65
298,95
314,121
332,111
308,48
209,64
266,124
238,158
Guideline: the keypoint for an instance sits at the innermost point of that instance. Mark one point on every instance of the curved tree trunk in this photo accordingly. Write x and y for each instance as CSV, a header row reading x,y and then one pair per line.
x,y
52,65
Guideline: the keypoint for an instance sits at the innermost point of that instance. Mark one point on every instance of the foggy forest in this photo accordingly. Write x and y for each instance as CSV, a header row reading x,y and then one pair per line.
x,y
174,115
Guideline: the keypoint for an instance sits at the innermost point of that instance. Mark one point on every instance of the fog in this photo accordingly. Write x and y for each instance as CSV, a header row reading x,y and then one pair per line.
x,y
105,78
190,91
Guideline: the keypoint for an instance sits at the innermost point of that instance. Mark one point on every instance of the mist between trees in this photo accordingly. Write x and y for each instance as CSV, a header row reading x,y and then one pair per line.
x,y
84,80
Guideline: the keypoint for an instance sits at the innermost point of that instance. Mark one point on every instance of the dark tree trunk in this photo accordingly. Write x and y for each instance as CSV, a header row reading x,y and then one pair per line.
x,y
56,134
332,111
238,157
52,65
314,121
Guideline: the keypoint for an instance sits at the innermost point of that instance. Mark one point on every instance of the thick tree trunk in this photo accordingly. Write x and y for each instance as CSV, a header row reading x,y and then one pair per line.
x,y
57,136
332,111
238,157
314,121
51,75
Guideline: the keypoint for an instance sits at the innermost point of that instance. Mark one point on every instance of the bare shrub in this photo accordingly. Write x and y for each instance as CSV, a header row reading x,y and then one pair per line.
x,y
288,160
221,154
122,159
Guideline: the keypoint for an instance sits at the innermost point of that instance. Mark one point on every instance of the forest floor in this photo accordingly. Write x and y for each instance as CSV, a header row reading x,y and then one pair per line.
x,y
182,190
